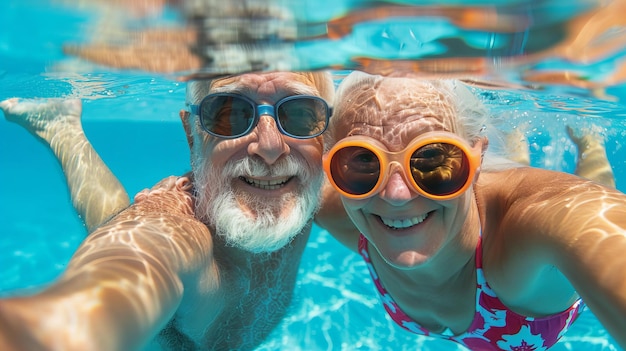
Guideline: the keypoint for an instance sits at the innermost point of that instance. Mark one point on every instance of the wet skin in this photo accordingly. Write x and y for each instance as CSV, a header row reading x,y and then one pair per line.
x,y
542,231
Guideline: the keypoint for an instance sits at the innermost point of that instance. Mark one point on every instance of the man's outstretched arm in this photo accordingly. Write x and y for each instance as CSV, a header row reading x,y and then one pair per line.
x,y
123,284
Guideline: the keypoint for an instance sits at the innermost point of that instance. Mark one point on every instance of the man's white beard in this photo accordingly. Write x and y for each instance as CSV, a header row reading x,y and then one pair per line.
x,y
264,229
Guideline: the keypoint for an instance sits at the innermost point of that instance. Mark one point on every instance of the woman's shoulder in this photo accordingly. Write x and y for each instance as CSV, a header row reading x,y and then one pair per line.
x,y
524,197
522,181
527,206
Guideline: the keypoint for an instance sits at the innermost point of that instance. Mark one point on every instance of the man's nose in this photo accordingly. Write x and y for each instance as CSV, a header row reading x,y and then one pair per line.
x,y
269,143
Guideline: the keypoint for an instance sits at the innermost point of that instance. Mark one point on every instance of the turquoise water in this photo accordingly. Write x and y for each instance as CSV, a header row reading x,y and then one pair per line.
x,y
335,307
132,120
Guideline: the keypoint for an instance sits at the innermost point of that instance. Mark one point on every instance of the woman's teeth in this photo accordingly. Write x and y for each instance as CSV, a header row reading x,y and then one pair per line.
x,y
403,223
266,184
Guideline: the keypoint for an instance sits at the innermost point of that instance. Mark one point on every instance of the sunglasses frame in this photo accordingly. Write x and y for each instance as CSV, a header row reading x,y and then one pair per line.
x,y
403,158
260,110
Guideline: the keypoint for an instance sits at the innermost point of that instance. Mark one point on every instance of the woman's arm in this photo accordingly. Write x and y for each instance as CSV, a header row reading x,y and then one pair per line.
x,y
579,227
123,284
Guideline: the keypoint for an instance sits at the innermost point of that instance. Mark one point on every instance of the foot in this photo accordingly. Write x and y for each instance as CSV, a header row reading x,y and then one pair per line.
x,y
517,146
42,118
586,138
592,162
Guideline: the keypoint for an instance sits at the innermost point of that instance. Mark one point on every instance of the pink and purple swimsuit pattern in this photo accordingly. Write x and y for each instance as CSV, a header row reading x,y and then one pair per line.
x,y
494,327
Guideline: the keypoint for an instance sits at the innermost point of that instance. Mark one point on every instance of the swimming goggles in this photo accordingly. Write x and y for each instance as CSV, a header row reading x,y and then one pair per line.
x,y
230,116
439,165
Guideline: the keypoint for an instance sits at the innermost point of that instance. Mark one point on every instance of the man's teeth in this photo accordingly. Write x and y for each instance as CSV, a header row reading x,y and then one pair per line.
x,y
403,223
266,184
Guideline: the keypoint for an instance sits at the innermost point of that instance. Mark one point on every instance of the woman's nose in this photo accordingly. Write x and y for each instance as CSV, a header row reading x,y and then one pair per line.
x,y
398,190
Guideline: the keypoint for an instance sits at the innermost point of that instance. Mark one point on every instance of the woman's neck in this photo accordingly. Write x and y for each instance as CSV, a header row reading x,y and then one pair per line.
x,y
440,293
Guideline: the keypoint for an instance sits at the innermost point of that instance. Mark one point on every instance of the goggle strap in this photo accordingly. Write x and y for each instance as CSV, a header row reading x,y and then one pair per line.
x,y
194,109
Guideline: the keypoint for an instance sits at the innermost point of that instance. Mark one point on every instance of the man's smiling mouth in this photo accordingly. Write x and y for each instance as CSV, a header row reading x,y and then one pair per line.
x,y
265,184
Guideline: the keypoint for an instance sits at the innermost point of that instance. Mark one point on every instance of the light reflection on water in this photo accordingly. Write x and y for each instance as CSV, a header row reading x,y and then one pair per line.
x,y
544,66
561,48
578,44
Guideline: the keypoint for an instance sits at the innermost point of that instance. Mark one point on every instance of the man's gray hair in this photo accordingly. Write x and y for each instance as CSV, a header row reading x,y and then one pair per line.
x,y
322,81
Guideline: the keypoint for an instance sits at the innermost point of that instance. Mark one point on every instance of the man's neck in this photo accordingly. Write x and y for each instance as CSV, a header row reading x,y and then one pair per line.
x,y
236,257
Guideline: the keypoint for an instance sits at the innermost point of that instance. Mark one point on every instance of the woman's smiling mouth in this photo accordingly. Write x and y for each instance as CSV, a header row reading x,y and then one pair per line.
x,y
403,223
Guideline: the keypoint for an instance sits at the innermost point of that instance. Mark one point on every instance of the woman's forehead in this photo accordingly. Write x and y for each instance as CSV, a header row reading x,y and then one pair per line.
x,y
399,108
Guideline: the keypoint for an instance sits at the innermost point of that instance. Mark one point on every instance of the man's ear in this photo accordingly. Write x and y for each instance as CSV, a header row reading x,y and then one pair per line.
x,y
184,117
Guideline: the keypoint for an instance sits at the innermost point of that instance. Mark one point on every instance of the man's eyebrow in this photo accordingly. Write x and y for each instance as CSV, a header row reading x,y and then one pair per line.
x,y
303,89
234,88
290,88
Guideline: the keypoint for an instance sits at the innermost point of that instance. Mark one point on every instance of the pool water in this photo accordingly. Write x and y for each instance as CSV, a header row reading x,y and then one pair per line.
x,y
131,118
335,308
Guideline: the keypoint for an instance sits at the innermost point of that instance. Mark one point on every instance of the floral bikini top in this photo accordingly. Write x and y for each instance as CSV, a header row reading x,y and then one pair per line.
x,y
494,327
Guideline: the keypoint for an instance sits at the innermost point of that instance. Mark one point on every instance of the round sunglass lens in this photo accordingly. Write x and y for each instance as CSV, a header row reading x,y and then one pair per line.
x,y
440,168
303,116
227,116
355,170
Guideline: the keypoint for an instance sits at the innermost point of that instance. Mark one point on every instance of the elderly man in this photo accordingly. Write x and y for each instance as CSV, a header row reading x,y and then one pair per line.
x,y
207,261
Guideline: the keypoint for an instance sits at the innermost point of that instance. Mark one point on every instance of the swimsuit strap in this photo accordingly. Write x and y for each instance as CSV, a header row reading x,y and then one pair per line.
x,y
392,308
495,326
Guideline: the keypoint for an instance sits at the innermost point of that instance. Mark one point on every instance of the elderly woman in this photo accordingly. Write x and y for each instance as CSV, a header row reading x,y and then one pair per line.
x,y
458,247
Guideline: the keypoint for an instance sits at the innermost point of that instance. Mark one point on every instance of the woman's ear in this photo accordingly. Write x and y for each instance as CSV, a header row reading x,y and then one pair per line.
x,y
485,145
184,117
481,144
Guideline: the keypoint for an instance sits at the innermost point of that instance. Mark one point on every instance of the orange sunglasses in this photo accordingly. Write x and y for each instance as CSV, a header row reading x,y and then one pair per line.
x,y
441,165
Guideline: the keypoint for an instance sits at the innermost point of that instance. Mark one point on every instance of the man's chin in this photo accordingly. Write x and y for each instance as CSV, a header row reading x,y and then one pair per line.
x,y
261,231
262,248
256,239
253,223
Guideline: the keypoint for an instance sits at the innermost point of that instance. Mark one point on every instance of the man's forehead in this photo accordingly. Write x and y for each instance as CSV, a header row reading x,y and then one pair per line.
x,y
256,82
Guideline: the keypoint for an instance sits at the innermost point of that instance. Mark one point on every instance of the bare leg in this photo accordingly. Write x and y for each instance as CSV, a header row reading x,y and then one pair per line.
x,y
593,163
96,193
517,147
